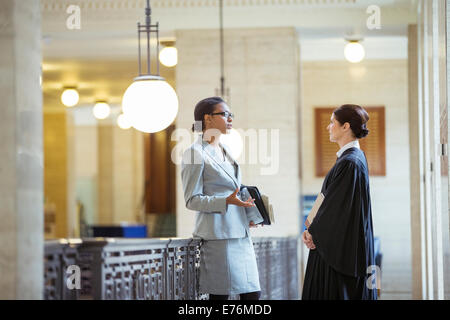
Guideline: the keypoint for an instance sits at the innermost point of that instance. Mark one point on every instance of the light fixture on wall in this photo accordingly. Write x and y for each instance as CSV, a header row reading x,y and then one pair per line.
x,y
150,103
169,54
70,96
222,92
354,51
123,122
101,110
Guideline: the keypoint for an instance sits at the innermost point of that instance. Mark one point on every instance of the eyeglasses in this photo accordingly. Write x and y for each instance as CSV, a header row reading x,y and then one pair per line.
x,y
225,114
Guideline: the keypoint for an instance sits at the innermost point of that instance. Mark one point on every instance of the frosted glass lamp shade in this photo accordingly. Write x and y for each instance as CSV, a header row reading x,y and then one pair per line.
x,y
169,56
123,122
70,97
101,110
150,104
354,52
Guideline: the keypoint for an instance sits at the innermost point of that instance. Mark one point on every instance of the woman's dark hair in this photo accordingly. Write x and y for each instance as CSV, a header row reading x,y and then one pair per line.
x,y
356,116
205,106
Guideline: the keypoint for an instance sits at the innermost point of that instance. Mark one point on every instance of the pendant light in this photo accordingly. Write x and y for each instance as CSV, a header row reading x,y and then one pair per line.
x,y
122,122
101,110
354,51
70,97
169,54
149,103
233,138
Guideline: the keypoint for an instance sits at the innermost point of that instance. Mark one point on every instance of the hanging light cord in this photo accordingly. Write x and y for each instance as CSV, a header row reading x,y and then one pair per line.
x,y
148,28
222,78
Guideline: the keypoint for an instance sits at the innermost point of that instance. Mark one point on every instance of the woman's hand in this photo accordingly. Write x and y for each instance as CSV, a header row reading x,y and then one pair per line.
x,y
308,240
253,225
233,199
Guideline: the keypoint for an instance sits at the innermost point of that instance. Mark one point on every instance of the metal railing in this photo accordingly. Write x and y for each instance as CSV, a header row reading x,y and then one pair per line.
x,y
156,269
58,256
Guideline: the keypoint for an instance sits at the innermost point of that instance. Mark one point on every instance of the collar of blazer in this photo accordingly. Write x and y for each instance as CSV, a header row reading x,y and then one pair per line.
x,y
208,149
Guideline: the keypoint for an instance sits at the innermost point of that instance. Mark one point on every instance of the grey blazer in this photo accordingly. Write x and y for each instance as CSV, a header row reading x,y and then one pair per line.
x,y
206,185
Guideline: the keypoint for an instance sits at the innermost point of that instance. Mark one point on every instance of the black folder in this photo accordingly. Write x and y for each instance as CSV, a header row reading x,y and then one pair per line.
x,y
255,194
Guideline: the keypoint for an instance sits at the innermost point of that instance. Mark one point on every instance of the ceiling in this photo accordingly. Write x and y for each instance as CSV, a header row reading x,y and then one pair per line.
x,y
95,79
100,58
108,27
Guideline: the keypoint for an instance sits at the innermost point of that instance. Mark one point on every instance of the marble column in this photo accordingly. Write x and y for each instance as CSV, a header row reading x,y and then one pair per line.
x,y
21,163
120,174
416,186
105,174
432,93
59,170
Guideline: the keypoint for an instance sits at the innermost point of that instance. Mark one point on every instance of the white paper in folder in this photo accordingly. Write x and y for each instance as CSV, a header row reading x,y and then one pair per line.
x,y
314,209
268,207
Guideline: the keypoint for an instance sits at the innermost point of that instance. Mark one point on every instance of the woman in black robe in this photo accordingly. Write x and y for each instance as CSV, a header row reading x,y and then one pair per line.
x,y
340,238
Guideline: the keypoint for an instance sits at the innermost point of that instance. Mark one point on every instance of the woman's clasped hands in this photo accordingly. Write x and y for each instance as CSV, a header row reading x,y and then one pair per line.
x,y
308,240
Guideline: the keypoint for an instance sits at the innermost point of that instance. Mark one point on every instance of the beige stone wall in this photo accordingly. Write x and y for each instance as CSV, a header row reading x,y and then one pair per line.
x,y
374,82
261,70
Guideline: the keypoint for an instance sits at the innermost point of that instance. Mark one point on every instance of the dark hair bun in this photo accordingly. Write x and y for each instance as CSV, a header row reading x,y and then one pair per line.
x,y
363,133
197,126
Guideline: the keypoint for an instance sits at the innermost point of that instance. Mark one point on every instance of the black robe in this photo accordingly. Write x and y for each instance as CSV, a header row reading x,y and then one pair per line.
x,y
343,234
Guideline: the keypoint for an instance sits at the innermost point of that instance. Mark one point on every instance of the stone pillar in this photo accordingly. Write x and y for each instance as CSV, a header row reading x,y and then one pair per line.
x,y
446,216
21,163
416,186
59,170
432,92
262,72
105,175
128,171
120,174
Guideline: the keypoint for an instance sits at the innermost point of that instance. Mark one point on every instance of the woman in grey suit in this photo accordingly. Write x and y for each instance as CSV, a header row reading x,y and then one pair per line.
x,y
211,182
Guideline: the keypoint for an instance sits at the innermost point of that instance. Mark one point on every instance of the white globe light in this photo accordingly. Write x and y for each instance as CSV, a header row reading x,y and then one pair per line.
x,y
169,56
101,110
70,97
354,52
150,104
233,141
123,122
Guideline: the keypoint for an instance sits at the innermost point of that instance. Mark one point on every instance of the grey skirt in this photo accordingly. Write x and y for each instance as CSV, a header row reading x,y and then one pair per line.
x,y
228,267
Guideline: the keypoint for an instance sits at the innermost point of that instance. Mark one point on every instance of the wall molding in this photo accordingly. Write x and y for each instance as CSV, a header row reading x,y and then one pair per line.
x,y
61,5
